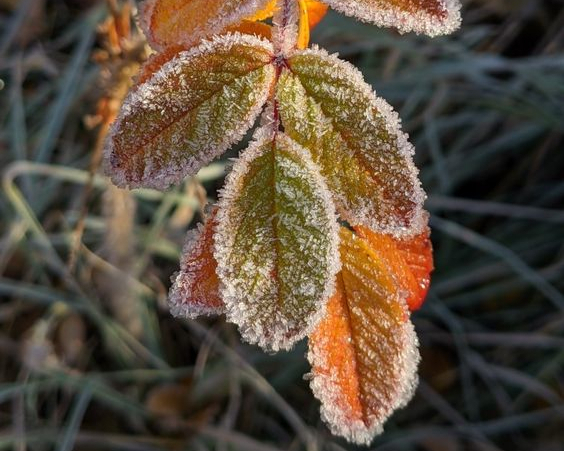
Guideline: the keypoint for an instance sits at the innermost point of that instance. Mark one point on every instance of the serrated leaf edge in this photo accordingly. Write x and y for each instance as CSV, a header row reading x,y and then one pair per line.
x,y
392,122
178,294
224,233
211,27
136,97
403,21
324,387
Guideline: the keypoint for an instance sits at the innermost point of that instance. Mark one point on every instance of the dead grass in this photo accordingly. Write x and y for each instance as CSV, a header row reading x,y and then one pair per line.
x,y
90,357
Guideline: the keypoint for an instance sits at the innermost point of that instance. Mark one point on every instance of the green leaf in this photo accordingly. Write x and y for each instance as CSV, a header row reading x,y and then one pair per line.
x,y
276,242
190,111
355,138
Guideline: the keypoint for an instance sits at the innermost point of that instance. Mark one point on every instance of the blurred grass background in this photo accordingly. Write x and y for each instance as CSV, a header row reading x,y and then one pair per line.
x,y
91,359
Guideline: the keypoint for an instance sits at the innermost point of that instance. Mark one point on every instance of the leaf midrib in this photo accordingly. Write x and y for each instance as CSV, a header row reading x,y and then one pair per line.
x,y
357,153
355,348
183,114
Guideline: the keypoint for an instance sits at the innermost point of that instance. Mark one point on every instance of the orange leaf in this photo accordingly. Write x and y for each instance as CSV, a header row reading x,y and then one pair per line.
x,y
410,260
157,60
363,352
259,29
195,291
172,22
265,13
303,25
315,11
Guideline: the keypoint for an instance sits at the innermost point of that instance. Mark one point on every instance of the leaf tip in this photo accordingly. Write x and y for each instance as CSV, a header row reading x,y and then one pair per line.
x,y
364,353
289,252
429,17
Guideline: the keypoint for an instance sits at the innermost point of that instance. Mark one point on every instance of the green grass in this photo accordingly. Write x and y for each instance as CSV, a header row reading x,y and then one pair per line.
x,y
91,359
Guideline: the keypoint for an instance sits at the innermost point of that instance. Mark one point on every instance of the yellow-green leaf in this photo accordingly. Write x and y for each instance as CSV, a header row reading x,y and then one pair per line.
x,y
355,138
276,242
363,353
173,22
430,17
189,111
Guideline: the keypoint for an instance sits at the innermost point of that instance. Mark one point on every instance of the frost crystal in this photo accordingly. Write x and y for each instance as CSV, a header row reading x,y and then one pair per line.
x,y
409,259
186,22
189,111
355,138
364,352
195,290
285,31
276,242
430,17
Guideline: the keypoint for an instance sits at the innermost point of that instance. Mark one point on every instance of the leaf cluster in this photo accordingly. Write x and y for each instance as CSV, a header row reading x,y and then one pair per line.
x,y
320,229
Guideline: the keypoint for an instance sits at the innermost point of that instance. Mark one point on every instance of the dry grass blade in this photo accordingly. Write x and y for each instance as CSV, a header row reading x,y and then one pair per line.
x,y
483,109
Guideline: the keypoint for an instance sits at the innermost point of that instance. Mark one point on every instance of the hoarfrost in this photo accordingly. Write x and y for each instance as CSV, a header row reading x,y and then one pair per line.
x,y
189,111
355,138
276,242
364,353
430,17
285,31
195,290
173,22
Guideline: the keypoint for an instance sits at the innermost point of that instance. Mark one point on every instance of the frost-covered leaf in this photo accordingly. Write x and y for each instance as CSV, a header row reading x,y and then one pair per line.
x,y
316,10
285,31
158,59
276,242
260,29
364,352
355,138
189,111
174,22
430,17
409,259
195,290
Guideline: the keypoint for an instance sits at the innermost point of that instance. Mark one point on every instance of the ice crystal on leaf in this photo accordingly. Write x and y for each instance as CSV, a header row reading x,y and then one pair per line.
x,y
189,111
363,352
410,260
430,17
173,22
195,291
276,242
285,36
355,138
